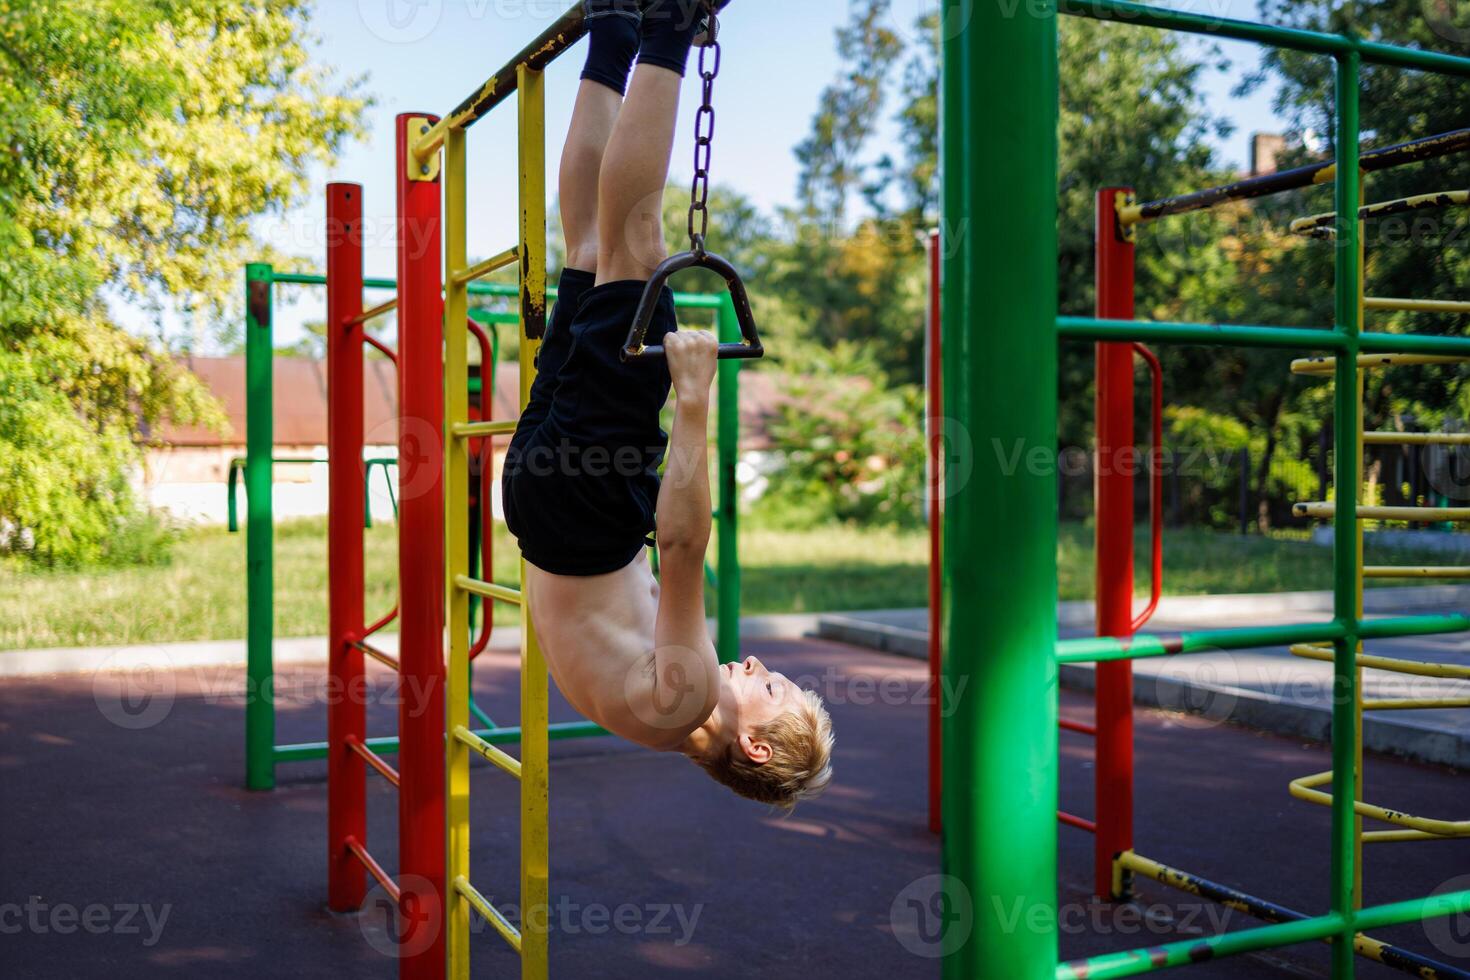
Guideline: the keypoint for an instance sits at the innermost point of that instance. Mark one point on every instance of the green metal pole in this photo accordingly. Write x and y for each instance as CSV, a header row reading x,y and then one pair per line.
x,y
260,709
727,595
999,311
1346,597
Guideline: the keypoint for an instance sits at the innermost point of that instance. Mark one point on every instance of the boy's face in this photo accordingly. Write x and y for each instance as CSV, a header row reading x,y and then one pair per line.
x,y
759,697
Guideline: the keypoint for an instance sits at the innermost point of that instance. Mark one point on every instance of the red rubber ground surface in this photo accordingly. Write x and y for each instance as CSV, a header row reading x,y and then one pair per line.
x,y
656,871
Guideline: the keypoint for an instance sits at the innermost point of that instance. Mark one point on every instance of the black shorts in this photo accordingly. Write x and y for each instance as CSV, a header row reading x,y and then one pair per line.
x,y
581,474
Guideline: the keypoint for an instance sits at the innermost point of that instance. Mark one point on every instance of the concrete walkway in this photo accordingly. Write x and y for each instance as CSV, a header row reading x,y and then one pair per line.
x,y
1266,689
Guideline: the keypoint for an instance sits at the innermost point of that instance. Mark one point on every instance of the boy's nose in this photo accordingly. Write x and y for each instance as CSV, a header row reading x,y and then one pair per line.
x,y
752,665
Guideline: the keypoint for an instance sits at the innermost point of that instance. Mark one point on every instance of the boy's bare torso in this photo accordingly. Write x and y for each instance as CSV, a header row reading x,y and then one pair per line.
x,y
596,633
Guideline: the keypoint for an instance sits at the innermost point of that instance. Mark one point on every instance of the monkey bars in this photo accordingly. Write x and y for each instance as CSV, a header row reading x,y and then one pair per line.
x,y
999,103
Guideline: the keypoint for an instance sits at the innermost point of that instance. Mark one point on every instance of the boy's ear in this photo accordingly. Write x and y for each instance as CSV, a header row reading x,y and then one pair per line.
x,y
756,750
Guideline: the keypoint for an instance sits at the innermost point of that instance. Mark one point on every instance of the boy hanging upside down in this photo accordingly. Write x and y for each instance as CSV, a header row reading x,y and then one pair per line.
x,y
581,485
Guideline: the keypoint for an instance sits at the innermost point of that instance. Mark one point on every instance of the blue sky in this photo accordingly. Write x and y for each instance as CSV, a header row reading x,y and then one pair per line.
x,y
426,55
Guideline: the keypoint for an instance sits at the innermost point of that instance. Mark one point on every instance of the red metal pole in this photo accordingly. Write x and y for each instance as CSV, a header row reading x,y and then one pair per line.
x,y
346,710
935,370
1116,463
420,561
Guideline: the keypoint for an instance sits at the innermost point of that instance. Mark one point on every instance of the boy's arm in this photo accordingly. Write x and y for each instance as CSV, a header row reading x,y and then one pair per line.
x,y
683,653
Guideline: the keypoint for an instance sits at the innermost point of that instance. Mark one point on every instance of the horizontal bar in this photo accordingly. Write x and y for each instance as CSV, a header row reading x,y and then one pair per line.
x,y
1389,627
1416,305
1325,172
488,590
1326,365
1091,649
1426,515
481,269
1277,37
1394,836
376,761
388,744
1072,820
551,44
1375,342
1268,911
374,312
1209,334
694,301
1133,962
1305,789
1082,728
1322,224
1391,438
1397,665
488,912
381,656
478,430
1414,704
503,759
375,869
1416,571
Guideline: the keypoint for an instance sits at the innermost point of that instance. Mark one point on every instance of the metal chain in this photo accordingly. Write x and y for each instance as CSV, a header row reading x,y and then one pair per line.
x,y
704,134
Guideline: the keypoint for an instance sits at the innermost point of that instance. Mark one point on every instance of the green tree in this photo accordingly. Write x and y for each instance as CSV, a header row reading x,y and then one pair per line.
x,y
141,137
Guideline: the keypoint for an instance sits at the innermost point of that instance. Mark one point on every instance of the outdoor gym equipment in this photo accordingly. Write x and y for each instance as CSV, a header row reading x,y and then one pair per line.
x,y
431,886
999,284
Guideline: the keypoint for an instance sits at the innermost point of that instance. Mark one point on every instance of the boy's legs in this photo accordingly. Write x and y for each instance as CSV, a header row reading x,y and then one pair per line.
x,y
635,167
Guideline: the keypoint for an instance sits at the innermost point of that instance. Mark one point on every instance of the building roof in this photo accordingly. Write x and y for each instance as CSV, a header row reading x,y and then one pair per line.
x,y
301,402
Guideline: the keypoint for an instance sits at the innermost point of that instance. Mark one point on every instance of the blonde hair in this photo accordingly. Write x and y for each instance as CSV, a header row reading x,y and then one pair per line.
x,y
800,766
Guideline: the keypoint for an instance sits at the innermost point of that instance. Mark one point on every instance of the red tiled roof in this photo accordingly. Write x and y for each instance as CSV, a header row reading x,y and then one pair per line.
x,y
301,402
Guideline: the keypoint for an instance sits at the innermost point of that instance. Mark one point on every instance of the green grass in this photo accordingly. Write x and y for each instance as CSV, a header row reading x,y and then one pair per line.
x,y
200,595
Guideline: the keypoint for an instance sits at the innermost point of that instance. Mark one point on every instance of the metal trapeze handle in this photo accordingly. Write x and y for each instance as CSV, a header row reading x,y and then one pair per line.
x,y
750,345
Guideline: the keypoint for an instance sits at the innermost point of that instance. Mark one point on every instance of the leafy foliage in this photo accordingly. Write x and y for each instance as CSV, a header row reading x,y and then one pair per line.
x,y
140,138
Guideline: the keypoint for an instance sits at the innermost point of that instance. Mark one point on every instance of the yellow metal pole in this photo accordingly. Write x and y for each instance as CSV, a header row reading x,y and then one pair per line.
x,y
535,751
456,554
1417,305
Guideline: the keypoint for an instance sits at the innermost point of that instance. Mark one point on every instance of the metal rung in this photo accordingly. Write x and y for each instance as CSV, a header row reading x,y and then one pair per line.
x,y
1419,668
488,590
1393,836
375,869
1322,224
1305,789
1416,571
376,761
481,269
1326,365
478,430
488,912
1416,438
504,760
1414,704
382,657
374,312
1416,305
1424,515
